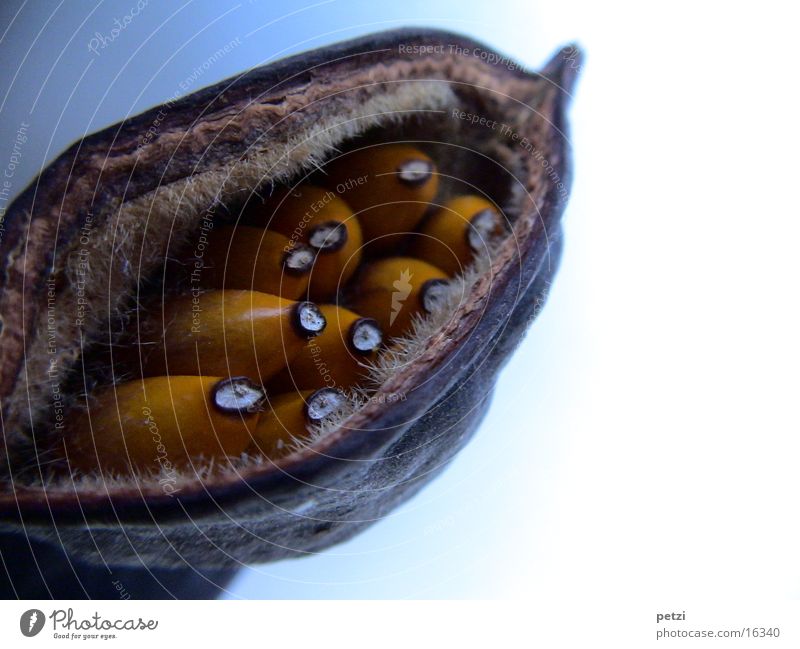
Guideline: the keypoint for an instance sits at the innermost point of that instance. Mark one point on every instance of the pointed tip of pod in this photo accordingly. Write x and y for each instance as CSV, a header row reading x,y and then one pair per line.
x,y
323,403
414,172
329,236
237,395
309,319
365,335
564,67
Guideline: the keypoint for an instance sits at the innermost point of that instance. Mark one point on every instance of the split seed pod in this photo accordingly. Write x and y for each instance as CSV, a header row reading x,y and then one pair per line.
x,y
488,123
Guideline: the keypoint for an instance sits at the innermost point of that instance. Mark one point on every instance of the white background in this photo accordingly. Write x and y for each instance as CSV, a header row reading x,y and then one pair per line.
x,y
644,440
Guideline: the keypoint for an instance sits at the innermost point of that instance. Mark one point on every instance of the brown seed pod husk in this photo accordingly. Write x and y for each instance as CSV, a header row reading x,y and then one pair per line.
x,y
87,243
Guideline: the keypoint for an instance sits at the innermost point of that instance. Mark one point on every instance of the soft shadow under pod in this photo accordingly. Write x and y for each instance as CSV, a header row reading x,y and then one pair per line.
x,y
413,349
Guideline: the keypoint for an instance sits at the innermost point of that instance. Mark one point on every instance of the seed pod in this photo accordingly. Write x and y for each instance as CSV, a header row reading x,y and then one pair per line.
x,y
389,186
162,422
320,219
209,150
451,236
229,333
258,260
338,357
291,416
394,289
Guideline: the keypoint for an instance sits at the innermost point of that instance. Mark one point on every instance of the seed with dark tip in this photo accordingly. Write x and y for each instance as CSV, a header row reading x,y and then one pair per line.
x,y
319,218
365,335
323,403
397,184
190,414
391,291
237,333
328,237
238,394
339,356
486,226
451,235
299,259
290,416
433,294
414,172
308,319
242,257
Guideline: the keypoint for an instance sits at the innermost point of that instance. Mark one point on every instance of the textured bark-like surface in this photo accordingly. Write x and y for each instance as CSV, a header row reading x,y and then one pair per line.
x,y
272,124
39,570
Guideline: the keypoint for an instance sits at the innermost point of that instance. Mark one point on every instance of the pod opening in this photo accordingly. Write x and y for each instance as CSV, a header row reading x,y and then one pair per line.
x,y
457,158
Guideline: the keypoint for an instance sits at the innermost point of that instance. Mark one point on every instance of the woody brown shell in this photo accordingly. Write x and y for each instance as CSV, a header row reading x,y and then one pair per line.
x,y
91,235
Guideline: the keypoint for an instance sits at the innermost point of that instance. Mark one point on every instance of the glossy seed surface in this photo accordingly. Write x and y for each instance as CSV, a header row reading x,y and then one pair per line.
x,y
154,424
290,417
231,333
254,259
393,290
389,188
451,236
316,217
339,357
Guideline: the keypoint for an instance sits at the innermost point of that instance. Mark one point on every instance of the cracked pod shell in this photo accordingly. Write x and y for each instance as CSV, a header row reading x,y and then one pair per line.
x,y
132,186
